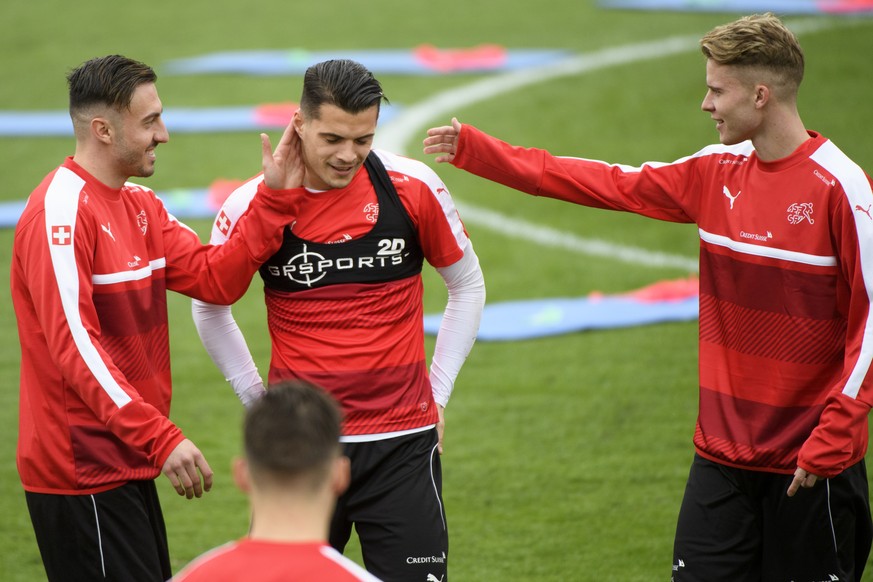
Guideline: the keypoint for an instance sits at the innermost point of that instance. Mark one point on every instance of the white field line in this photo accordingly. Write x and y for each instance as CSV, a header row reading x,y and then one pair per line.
x,y
411,122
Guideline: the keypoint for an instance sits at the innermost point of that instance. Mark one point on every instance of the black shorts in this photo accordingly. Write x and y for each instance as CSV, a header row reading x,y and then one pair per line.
x,y
116,535
395,503
738,525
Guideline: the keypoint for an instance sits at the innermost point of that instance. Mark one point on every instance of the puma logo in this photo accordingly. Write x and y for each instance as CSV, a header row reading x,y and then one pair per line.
x,y
865,211
730,197
107,230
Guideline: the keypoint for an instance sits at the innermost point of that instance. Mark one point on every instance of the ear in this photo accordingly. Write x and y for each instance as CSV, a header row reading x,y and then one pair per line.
x,y
341,475
241,475
102,130
762,96
298,121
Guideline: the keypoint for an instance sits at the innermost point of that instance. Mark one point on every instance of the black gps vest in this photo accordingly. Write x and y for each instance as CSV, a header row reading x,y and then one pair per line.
x,y
389,252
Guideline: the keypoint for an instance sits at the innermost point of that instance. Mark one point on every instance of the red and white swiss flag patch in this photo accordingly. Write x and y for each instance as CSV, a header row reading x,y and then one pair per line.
x,y
223,223
62,235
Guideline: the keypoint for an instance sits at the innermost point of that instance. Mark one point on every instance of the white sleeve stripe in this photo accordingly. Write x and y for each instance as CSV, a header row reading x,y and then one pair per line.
x,y
768,252
133,275
742,149
61,203
857,188
234,207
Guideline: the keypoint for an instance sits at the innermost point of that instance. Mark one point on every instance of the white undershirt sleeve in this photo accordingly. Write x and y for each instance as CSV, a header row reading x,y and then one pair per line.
x,y
460,322
224,341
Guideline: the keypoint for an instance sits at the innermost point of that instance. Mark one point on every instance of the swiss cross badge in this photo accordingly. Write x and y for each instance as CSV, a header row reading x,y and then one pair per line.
x,y
62,235
223,223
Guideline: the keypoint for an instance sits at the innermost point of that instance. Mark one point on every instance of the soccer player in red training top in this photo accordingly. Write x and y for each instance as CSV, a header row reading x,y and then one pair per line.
x,y
344,308
93,256
293,470
786,248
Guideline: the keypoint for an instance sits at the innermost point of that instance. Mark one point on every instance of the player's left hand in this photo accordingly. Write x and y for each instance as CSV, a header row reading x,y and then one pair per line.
x,y
802,478
441,427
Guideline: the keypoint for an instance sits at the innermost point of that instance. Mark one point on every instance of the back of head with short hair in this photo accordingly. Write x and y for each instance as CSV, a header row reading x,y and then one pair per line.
x,y
292,433
759,40
341,82
110,80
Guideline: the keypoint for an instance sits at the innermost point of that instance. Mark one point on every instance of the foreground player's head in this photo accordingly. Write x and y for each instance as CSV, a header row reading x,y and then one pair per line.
x,y
291,437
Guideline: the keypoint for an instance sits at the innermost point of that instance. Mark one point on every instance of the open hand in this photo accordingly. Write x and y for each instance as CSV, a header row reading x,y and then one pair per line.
x,y
443,140
283,168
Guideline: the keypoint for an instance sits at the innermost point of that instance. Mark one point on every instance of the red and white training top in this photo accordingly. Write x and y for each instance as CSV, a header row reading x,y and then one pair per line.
x,y
786,276
360,339
90,269
264,561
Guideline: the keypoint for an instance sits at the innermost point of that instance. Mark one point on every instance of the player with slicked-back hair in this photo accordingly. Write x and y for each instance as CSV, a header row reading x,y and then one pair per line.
x,y
343,83
345,311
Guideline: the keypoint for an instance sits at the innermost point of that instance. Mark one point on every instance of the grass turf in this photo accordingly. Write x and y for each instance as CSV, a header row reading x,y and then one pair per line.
x,y
565,457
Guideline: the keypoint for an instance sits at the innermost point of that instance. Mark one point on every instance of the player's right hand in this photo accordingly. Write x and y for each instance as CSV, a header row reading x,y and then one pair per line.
x,y
443,140
283,168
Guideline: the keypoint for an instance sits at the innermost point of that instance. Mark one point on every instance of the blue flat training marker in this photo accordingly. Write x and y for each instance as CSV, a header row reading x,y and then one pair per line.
x,y
535,318
422,60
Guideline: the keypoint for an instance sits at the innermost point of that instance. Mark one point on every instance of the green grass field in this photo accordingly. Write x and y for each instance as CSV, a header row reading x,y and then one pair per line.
x,y
566,457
